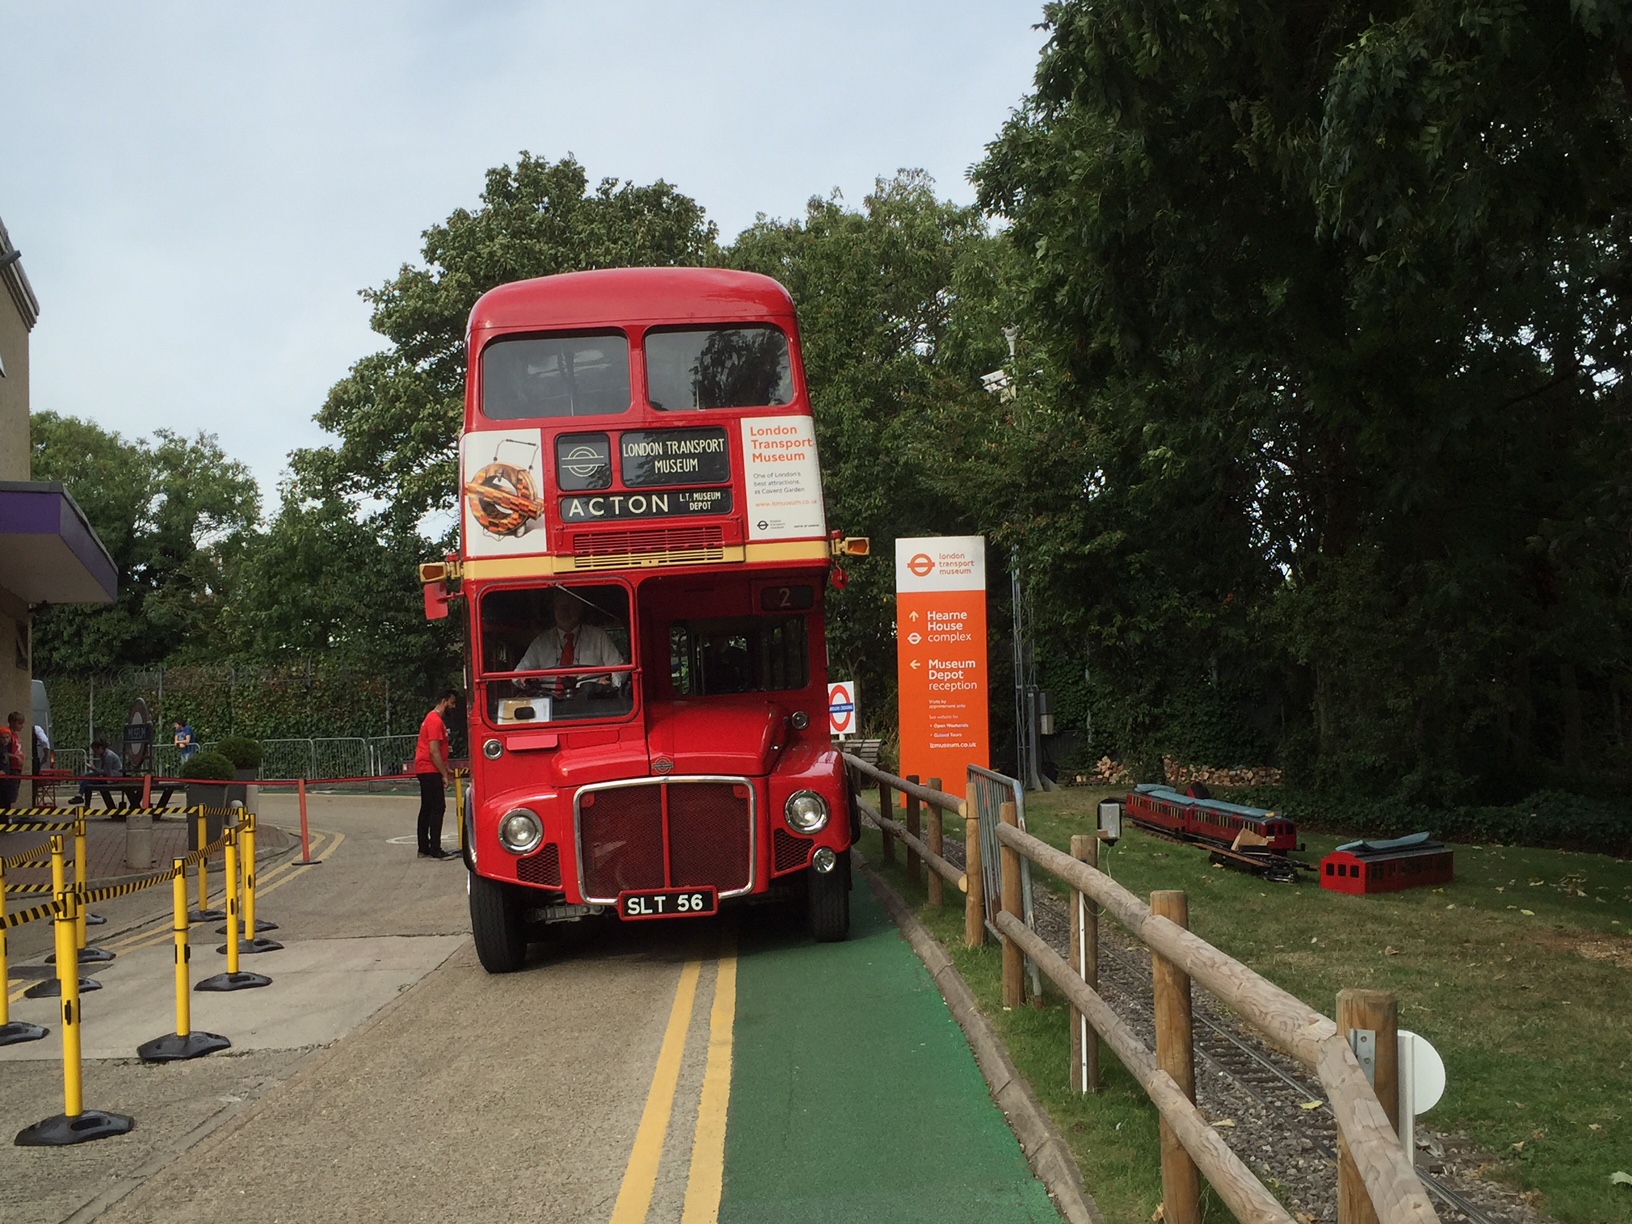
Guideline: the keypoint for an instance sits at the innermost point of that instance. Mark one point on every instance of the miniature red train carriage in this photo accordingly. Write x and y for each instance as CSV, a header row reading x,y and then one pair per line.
x,y
1386,866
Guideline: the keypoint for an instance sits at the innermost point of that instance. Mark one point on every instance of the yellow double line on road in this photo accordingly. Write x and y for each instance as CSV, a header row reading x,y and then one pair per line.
x,y
706,1176
274,878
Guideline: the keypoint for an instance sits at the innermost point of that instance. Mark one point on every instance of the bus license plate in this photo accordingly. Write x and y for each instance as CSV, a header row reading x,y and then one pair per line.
x,y
668,903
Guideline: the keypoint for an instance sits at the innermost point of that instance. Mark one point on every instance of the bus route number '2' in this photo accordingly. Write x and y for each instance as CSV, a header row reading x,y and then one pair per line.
x,y
668,903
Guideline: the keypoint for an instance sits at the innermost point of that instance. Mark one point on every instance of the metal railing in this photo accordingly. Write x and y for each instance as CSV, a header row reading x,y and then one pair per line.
x,y
987,793
337,757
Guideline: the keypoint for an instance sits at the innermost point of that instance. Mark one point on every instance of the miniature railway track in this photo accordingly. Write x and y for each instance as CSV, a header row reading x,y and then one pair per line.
x,y
1239,1078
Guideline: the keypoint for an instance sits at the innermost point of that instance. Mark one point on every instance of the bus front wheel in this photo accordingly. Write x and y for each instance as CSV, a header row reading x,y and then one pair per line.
x,y
496,921
827,906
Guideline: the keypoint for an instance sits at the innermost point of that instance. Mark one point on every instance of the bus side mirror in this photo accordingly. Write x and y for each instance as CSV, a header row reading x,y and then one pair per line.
x,y
436,600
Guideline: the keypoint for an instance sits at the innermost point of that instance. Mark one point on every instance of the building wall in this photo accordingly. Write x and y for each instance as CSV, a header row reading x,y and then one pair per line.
x,y
18,310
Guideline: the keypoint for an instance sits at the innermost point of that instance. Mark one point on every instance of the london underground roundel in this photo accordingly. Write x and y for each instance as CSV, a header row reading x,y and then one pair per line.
x,y
841,710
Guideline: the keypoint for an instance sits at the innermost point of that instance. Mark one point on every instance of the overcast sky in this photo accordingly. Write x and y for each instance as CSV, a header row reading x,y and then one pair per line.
x,y
199,190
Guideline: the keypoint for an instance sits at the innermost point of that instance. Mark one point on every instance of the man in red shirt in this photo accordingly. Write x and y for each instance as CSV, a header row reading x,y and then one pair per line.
x,y
435,774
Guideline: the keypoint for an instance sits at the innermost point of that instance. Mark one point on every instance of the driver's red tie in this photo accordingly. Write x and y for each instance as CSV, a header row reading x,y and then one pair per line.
x,y
564,684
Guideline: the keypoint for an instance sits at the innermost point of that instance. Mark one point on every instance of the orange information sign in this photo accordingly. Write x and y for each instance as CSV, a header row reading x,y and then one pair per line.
x,y
940,619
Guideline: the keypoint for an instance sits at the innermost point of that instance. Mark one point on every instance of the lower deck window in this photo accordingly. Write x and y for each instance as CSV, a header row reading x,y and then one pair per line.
x,y
741,654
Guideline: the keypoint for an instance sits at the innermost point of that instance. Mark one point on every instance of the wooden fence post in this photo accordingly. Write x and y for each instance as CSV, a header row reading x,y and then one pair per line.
x,y
1373,1012
1085,960
1013,961
888,813
915,867
933,838
974,901
1181,1184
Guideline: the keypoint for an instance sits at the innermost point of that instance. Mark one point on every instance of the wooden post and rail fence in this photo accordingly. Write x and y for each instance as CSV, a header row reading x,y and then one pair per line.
x,y
1376,1181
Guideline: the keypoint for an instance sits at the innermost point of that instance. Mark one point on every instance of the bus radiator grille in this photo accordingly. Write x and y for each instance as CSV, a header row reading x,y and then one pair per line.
x,y
647,546
709,835
543,868
788,852
621,836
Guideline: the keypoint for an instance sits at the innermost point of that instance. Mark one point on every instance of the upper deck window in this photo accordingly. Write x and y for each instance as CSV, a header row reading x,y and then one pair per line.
x,y
743,366
555,376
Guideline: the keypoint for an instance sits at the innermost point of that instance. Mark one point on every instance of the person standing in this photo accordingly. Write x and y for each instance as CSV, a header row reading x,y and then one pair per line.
x,y
184,740
11,760
435,774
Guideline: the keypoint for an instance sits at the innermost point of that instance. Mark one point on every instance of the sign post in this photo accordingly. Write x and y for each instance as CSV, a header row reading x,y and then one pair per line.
x,y
841,709
940,617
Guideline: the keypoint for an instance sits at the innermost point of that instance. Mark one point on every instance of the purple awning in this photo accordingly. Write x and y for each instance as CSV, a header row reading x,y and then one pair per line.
x,y
48,552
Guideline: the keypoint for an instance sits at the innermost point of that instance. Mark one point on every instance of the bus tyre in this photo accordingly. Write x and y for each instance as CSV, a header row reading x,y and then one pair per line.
x,y
827,906
496,922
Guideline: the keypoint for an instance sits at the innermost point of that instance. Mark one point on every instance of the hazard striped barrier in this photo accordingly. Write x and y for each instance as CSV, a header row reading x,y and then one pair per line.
x,y
76,1124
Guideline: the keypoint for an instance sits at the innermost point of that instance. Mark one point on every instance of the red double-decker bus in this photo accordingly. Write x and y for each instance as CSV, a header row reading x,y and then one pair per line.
x,y
643,562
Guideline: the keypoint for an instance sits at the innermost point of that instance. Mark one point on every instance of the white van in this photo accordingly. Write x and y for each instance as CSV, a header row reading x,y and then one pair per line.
x,y
42,720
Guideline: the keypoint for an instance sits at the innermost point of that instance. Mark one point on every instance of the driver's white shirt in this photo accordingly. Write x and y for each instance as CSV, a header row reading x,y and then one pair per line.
x,y
591,647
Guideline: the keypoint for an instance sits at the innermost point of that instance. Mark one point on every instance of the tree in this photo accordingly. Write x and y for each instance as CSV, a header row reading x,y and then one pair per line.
x,y
321,585
1337,299
898,317
174,515
398,412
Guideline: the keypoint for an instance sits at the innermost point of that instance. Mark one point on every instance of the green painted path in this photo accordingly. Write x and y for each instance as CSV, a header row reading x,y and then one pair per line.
x,y
854,1095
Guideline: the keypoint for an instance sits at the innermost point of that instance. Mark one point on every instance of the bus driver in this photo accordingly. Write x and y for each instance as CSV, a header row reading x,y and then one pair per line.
x,y
570,642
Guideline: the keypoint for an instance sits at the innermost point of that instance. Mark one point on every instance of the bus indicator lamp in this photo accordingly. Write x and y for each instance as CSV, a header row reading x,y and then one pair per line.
x,y
800,720
824,860
806,812
492,749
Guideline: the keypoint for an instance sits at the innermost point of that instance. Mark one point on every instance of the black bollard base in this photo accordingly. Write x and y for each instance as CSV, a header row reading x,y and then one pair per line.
x,y
87,956
173,1048
260,925
16,1032
206,915
248,947
63,1130
233,981
52,989
94,920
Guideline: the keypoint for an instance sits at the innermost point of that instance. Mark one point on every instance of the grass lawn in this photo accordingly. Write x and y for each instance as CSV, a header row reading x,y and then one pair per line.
x,y
1519,972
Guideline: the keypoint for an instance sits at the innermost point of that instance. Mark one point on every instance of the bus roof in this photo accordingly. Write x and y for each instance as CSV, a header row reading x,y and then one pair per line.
x,y
623,295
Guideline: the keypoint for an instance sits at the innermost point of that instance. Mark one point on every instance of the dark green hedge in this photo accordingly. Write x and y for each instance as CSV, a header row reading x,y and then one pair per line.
x,y
1554,820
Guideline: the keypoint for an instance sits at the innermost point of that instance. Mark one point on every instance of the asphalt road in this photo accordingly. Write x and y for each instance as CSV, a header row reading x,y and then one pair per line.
x,y
690,1071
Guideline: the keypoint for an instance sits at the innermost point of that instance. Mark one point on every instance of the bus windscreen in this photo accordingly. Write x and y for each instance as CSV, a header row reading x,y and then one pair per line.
x,y
718,367
556,376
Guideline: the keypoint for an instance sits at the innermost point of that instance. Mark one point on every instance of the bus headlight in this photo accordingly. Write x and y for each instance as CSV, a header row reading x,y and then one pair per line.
x,y
805,812
520,831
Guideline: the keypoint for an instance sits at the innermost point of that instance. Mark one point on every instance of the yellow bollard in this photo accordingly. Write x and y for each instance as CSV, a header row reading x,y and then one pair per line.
x,y
204,913
73,1124
459,808
253,942
12,1032
85,955
232,902
183,1043
232,979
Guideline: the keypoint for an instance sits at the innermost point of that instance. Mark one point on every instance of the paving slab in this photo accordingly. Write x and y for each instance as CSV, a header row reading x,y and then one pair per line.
x,y
321,990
